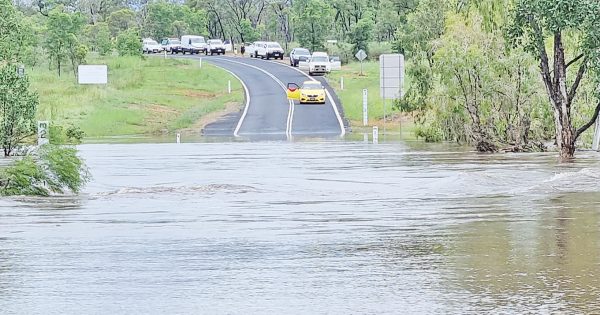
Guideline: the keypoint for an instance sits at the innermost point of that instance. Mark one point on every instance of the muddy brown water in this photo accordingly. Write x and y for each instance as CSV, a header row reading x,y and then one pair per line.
x,y
308,227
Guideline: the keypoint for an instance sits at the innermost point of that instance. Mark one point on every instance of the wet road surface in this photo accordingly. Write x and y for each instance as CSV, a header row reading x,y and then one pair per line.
x,y
308,228
269,113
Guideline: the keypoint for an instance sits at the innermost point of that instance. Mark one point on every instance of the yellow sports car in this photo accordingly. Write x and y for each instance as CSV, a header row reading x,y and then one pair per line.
x,y
311,92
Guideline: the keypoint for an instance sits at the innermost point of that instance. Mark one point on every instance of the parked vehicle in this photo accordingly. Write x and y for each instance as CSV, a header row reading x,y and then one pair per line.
x,y
319,63
149,45
215,46
172,45
270,50
336,63
193,44
297,55
253,48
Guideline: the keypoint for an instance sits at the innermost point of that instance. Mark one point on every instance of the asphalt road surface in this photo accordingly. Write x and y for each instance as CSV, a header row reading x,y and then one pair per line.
x,y
268,113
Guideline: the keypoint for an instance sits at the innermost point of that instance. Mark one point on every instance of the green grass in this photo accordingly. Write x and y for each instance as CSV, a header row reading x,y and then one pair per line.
x,y
143,96
351,98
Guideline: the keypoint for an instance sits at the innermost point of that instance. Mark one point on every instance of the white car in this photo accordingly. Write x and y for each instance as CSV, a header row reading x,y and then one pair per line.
x,y
319,63
193,44
253,48
151,46
215,46
270,50
172,45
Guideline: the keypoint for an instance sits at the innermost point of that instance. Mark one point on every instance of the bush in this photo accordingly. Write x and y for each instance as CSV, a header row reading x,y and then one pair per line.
x,y
53,170
429,133
71,135
129,43
377,49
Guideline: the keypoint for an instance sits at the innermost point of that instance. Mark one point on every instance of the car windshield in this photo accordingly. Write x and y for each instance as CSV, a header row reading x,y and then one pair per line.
x,y
302,52
197,40
274,46
215,42
320,59
176,42
152,42
312,86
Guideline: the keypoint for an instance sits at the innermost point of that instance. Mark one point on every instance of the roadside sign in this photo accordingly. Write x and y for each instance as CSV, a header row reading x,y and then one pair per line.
x,y
365,107
391,76
43,136
92,74
361,55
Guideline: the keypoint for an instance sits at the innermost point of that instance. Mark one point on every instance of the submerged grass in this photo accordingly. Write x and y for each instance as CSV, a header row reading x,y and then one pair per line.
x,y
143,96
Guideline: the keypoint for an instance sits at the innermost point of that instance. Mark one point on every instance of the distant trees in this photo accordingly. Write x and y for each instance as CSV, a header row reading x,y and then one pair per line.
x,y
312,19
63,29
129,44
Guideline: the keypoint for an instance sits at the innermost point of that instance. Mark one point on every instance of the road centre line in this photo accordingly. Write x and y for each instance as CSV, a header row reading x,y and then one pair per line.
x,y
288,130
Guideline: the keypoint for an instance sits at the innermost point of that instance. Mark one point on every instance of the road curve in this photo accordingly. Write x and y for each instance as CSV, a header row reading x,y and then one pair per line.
x,y
268,113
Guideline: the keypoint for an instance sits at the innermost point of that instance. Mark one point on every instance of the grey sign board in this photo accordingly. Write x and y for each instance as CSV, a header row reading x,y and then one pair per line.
x,y
391,76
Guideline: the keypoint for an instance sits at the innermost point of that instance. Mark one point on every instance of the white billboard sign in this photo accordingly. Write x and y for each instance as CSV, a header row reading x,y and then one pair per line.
x,y
93,74
391,76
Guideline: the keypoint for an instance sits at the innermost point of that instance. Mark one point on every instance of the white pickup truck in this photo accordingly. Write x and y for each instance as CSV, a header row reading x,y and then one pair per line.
x,y
266,50
215,46
317,64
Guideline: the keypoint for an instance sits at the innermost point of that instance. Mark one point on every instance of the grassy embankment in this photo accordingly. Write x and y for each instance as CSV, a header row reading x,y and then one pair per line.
x,y
143,96
351,98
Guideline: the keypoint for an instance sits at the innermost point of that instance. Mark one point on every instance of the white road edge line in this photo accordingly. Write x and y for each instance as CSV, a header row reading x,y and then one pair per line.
x,y
335,109
241,121
288,130
246,91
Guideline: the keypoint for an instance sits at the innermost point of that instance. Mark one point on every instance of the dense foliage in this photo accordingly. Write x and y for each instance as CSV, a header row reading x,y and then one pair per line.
x,y
51,170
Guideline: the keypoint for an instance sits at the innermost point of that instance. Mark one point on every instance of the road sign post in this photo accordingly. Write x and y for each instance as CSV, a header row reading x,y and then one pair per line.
x,y
361,55
200,62
365,107
229,87
43,132
375,134
391,80
342,83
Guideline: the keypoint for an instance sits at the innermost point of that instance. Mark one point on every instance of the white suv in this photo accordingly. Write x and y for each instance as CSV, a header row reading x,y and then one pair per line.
x,y
254,47
270,50
151,46
319,63
215,46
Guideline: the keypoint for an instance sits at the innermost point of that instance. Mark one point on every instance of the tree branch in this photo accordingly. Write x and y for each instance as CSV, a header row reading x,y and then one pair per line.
x,y
575,85
574,60
589,123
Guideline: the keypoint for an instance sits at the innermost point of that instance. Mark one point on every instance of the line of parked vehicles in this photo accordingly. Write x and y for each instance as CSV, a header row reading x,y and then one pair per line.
x,y
191,44
314,63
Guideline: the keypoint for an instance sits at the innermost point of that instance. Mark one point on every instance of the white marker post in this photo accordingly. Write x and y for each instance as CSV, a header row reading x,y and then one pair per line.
x,y
365,107
342,83
200,63
165,51
365,137
178,138
596,143
375,134
229,87
43,134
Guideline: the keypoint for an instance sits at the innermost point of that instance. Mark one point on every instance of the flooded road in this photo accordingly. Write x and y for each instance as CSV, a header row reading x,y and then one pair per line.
x,y
308,228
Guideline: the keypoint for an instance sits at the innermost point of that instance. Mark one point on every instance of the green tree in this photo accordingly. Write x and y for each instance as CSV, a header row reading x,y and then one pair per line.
x,y
361,34
159,19
129,43
312,20
12,35
17,108
248,34
121,20
63,30
562,22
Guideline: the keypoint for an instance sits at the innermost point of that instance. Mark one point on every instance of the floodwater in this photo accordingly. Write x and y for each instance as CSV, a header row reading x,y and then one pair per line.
x,y
311,227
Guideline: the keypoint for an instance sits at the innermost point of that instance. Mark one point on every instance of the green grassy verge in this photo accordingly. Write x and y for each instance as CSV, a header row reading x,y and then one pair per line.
x,y
143,96
351,96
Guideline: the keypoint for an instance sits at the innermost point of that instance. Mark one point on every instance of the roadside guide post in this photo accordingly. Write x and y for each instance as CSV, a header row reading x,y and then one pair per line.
x,y
229,87
178,138
596,143
21,71
375,134
200,63
342,83
365,107
365,137
165,51
361,55
43,133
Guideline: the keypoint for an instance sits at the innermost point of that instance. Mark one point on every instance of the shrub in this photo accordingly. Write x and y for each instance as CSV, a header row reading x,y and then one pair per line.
x,y
129,43
53,169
